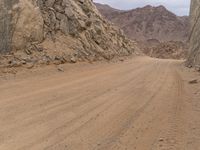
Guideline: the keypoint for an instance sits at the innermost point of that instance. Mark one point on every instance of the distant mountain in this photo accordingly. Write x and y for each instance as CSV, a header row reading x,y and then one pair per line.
x,y
149,22
108,11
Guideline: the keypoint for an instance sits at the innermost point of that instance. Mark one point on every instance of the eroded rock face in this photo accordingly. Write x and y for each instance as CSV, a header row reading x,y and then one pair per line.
x,y
51,29
194,57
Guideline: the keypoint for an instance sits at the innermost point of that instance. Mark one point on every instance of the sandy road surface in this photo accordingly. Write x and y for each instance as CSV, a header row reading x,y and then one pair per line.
x,y
139,104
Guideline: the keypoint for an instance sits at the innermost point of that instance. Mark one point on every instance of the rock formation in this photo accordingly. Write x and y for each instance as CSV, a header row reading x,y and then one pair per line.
x,y
194,39
58,30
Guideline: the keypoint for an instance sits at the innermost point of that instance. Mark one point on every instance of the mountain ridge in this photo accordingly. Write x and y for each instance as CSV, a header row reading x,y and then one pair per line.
x,y
149,22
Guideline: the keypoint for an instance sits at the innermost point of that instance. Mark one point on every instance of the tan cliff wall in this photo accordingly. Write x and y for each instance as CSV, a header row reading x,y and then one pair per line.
x,y
194,39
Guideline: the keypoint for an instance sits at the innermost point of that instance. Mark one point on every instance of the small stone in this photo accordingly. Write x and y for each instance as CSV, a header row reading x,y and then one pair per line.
x,y
73,60
161,140
197,68
121,59
14,63
23,62
30,66
60,69
81,1
195,81
28,52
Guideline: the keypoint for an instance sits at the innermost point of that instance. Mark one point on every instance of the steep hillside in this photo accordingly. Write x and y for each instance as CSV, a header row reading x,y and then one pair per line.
x,y
194,57
149,23
57,31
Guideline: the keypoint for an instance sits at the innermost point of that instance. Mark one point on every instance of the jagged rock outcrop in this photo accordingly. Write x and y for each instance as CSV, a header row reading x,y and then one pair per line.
x,y
59,30
194,57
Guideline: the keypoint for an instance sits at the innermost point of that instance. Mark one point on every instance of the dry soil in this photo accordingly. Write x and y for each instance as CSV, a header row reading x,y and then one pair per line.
x,y
138,104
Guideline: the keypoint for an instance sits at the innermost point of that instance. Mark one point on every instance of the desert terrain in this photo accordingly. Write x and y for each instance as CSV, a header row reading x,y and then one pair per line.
x,y
70,79
139,103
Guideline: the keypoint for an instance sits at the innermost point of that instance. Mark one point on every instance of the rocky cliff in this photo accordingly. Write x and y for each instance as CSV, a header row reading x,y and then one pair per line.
x,y
194,57
58,30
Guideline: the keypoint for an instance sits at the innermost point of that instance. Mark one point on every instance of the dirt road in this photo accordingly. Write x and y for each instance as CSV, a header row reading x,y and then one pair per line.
x,y
138,104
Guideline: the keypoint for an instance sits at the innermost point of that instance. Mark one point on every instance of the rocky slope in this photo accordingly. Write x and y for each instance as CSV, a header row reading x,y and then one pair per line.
x,y
194,57
166,50
149,23
57,31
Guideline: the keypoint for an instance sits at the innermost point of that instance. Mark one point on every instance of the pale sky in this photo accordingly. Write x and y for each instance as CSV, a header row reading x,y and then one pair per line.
x,y
179,7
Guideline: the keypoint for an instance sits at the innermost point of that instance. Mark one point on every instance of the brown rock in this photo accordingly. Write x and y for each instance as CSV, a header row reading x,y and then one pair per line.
x,y
73,60
60,68
195,81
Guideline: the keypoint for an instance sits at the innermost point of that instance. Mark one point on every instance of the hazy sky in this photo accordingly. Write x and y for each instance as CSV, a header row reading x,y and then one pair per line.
x,y
180,7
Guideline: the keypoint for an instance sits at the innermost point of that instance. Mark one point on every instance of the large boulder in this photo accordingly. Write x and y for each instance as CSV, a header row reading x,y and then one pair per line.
x,y
28,24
